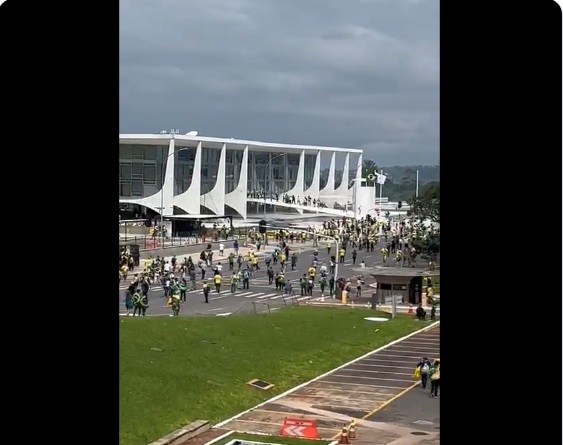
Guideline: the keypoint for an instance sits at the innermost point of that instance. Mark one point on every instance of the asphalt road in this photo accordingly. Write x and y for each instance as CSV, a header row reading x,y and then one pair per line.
x,y
260,291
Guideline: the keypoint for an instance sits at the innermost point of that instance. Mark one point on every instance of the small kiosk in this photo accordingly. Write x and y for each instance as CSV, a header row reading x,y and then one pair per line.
x,y
407,284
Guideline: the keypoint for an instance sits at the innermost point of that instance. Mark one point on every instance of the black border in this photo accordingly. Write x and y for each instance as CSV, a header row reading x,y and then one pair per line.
x,y
60,80
500,158
500,117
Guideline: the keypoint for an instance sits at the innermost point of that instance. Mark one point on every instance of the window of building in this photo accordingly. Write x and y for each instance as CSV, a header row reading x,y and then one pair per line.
x,y
276,172
149,172
125,151
186,155
125,189
137,153
150,153
137,170
137,187
385,286
125,171
204,172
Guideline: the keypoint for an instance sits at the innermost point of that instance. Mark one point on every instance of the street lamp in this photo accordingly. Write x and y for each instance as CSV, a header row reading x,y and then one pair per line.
x,y
268,165
355,196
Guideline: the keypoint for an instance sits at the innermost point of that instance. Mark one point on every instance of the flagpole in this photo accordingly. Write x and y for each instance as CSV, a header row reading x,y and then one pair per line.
x,y
380,194
417,183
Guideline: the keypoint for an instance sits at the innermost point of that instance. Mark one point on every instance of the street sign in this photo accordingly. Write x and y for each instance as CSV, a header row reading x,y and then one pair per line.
x,y
381,179
299,428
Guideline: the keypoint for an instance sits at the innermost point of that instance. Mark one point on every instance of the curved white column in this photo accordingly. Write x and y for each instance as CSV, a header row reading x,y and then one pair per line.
x,y
314,189
215,199
299,188
186,200
359,167
341,194
357,185
237,198
165,195
328,189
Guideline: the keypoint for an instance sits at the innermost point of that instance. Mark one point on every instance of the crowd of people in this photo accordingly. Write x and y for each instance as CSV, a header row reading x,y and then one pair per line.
x,y
339,236
287,198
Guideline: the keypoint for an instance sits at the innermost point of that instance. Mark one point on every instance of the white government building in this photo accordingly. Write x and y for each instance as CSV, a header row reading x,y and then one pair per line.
x,y
191,174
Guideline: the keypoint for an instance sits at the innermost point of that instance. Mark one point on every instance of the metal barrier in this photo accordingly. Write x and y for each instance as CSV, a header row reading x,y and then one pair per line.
x,y
147,242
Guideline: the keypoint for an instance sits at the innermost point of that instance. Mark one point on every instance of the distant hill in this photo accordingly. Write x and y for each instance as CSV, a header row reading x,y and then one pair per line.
x,y
426,173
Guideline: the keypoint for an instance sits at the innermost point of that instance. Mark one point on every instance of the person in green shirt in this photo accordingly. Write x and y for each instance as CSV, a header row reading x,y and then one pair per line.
x,y
183,289
322,284
137,305
303,284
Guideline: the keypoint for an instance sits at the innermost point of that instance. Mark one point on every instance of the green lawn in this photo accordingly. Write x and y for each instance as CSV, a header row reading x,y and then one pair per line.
x,y
175,371
271,439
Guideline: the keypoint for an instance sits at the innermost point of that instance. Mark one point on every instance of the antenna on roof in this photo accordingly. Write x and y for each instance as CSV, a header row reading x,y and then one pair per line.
x,y
192,133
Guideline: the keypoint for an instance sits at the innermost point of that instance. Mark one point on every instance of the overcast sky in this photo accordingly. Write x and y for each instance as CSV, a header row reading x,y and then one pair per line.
x,y
348,73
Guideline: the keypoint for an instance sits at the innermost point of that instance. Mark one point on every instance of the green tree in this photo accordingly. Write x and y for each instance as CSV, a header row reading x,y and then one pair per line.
x,y
423,209
427,205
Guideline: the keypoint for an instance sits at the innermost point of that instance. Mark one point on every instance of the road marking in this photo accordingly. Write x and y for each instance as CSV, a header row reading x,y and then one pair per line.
x,y
380,372
384,366
267,296
402,356
416,348
224,314
388,361
368,378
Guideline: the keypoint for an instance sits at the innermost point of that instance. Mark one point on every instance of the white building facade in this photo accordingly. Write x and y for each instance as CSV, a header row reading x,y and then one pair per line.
x,y
174,174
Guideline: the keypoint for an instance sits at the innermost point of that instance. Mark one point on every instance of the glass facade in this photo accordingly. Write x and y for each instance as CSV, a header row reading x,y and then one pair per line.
x,y
272,172
140,169
310,161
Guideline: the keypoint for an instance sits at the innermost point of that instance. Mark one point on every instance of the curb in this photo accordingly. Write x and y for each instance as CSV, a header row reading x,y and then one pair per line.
x,y
185,433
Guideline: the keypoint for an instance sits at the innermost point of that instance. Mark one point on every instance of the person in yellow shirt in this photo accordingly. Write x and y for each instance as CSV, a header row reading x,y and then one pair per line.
x,y
341,254
384,253
399,258
217,282
254,262
312,272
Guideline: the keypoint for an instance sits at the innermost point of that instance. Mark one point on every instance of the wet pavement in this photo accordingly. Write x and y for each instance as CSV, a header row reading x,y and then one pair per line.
x,y
359,391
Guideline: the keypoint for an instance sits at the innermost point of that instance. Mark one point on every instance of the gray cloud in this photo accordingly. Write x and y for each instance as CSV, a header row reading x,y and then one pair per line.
x,y
355,73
